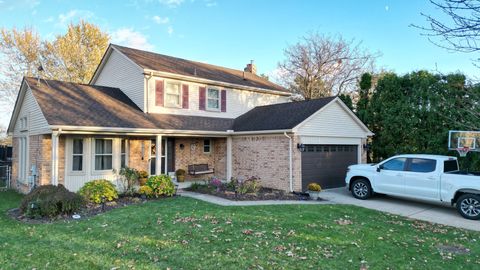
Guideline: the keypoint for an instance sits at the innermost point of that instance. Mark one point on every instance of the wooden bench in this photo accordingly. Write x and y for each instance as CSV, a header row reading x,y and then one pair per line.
x,y
199,169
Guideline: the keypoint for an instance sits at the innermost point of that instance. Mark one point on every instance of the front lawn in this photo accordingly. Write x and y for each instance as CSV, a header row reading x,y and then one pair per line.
x,y
184,233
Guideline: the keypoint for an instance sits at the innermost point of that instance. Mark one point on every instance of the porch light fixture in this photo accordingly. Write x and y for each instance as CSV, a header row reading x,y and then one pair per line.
x,y
182,146
301,147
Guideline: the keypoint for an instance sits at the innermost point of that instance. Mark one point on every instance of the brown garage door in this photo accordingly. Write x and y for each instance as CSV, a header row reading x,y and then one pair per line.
x,y
327,164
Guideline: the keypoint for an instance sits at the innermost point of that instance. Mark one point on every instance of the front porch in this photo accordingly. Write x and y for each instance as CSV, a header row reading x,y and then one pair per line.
x,y
79,158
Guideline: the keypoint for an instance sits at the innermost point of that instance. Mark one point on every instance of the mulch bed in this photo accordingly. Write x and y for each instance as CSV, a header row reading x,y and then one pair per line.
x,y
263,195
89,211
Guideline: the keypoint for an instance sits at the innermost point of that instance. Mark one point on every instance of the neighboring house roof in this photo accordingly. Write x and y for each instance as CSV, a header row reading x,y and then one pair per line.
x,y
71,104
165,63
279,116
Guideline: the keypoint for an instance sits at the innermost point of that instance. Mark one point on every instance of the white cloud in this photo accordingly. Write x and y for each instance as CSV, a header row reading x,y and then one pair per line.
x,y
210,3
49,19
171,3
160,20
170,30
387,8
66,18
131,38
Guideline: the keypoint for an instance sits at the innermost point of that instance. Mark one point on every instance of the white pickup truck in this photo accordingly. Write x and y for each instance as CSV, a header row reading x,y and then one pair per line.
x,y
424,177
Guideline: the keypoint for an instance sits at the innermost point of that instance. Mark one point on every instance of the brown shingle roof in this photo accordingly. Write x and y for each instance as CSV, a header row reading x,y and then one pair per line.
x,y
71,104
279,116
165,63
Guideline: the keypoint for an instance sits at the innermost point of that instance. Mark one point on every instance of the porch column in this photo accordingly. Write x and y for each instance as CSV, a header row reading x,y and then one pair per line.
x,y
158,155
229,158
54,171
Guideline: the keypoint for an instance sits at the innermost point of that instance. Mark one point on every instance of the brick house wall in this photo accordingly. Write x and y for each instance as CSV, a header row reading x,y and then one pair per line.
x,y
266,157
192,153
136,159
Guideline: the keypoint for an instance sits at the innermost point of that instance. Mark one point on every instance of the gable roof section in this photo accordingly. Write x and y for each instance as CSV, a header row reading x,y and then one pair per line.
x,y
179,66
71,104
279,116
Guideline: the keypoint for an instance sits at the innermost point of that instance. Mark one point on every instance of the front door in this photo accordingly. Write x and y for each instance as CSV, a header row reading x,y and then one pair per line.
x,y
168,154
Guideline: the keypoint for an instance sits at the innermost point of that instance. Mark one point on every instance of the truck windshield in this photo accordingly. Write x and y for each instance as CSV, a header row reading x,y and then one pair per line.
x,y
450,166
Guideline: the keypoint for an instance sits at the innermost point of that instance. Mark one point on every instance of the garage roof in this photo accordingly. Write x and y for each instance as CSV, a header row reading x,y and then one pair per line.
x,y
279,116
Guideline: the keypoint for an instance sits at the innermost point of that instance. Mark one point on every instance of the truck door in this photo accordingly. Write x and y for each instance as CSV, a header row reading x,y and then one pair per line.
x,y
390,178
422,179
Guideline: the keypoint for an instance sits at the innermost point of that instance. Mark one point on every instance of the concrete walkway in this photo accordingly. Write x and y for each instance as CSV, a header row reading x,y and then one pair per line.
x,y
436,213
225,202
441,213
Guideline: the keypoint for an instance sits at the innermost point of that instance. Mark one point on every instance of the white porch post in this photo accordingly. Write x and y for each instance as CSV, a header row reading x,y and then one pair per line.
x,y
158,155
54,172
229,158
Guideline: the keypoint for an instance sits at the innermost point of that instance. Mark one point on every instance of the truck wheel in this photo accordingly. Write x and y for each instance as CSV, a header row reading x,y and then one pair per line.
x,y
361,189
468,205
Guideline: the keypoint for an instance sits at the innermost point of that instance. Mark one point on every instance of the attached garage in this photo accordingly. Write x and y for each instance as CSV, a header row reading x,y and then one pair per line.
x,y
326,164
297,143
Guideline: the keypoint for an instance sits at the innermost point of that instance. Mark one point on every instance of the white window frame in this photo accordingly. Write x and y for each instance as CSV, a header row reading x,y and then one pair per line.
x,y
210,145
124,153
166,93
219,99
23,159
94,154
23,123
72,155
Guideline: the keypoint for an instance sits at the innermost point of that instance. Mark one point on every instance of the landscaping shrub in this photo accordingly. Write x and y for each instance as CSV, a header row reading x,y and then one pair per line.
x,y
196,186
142,177
146,190
93,191
161,185
216,183
129,178
51,201
314,187
251,185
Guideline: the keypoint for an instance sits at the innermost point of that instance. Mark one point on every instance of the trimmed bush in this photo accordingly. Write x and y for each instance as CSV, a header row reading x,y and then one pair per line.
x,y
161,185
51,201
93,191
145,190
314,187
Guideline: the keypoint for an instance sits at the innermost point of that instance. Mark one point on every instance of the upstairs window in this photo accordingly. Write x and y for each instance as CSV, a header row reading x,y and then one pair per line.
x,y
77,155
173,94
23,123
213,99
103,154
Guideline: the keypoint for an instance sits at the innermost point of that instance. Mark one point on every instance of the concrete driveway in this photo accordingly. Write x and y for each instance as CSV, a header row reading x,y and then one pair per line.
x,y
437,213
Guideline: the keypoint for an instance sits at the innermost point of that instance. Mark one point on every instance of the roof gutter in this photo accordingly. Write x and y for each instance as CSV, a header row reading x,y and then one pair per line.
x,y
261,132
137,131
212,82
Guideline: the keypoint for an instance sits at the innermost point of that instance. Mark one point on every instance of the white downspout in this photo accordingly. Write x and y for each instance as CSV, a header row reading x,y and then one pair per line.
x,y
290,160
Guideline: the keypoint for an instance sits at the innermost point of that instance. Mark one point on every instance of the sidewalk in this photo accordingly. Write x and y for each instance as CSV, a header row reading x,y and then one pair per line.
x,y
225,202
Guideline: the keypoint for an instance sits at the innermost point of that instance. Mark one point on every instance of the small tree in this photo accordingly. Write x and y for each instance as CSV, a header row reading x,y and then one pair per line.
x,y
129,178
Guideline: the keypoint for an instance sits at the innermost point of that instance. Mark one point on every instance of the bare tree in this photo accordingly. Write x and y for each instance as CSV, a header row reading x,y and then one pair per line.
x,y
320,66
73,56
462,31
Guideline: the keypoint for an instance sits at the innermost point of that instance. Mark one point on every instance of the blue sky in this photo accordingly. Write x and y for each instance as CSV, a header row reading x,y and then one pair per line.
x,y
231,33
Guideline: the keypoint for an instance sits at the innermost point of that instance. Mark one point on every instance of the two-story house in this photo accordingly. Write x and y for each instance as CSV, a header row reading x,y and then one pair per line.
x,y
159,113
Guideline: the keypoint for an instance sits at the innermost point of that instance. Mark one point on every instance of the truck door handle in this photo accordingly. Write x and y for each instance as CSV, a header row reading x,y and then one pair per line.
x,y
399,175
431,178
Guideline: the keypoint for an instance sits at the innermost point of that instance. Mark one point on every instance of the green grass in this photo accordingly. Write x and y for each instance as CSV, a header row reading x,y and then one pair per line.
x,y
182,233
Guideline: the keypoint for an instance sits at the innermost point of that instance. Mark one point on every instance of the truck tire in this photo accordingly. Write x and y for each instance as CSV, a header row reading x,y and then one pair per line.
x,y
468,205
361,189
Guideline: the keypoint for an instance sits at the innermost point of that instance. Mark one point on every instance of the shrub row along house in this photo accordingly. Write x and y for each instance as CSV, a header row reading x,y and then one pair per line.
x,y
158,113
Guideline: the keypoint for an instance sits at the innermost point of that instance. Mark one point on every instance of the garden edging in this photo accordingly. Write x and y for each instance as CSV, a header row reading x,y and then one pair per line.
x,y
225,202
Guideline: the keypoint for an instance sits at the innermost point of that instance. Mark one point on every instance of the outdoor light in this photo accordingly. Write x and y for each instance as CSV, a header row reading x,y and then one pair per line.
x,y
182,146
301,147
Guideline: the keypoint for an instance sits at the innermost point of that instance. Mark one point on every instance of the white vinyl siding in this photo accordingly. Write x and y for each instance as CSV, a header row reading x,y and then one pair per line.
x,y
75,180
120,72
238,101
332,121
30,117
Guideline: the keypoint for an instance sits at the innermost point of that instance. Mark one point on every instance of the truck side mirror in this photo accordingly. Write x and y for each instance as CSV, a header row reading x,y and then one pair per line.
x,y
379,168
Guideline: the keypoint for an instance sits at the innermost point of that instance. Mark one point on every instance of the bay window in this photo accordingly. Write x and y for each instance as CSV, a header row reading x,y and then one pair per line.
x,y
77,155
